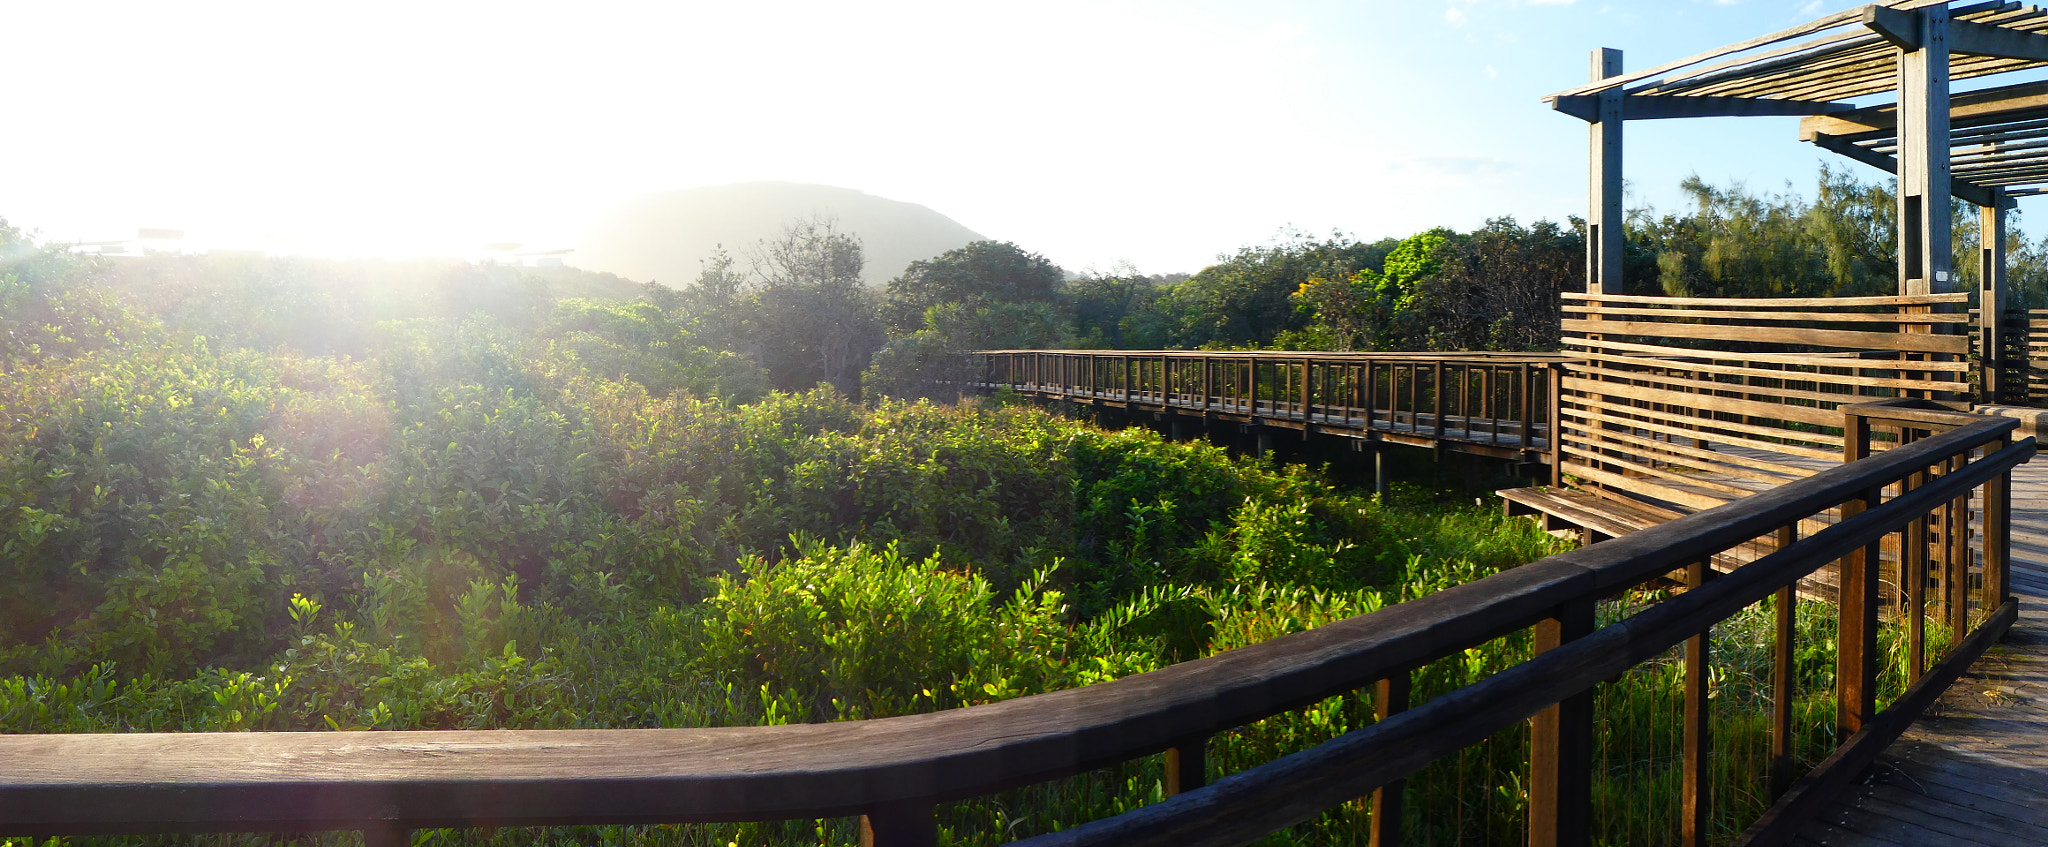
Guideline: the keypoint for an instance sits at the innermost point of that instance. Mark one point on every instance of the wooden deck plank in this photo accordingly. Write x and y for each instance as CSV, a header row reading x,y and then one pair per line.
x,y
1979,761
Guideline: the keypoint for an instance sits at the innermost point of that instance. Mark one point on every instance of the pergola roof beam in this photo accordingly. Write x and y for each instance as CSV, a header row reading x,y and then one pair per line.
x,y
1654,75
1976,108
1587,107
2004,42
1961,188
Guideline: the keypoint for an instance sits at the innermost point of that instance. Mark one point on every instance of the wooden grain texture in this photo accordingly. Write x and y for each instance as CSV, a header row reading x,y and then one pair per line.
x,y
1952,344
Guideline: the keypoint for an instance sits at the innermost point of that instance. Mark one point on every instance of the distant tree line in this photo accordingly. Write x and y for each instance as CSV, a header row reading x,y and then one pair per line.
x,y
790,312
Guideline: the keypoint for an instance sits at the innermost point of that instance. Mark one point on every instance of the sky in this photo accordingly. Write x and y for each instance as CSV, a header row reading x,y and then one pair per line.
x,y
1148,135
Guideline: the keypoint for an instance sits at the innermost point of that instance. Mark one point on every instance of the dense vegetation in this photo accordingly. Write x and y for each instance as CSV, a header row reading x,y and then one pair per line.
x,y
250,493
514,509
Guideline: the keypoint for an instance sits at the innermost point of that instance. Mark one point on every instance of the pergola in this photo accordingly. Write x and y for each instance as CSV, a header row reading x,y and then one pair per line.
x,y
1985,146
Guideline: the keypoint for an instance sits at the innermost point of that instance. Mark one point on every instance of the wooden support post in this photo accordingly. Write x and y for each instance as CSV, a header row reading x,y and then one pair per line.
x,y
1856,633
1308,410
1187,765
1997,537
1956,581
1561,747
905,824
1251,390
1785,604
1370,393
1913,577
1527,406
1553,379
1437,407
1604,214
1697,778
1414,397
1996,375
1379,468
1390,697
1925,255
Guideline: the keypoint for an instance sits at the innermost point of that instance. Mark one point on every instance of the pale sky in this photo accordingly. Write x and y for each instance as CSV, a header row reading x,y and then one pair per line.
x,y
1154,133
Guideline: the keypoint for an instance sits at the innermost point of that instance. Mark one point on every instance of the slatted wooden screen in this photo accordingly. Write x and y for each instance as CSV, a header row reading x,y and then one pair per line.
x,y
2035,347
1696,401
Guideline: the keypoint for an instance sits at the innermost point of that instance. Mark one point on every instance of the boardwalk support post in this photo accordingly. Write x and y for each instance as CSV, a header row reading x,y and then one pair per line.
x,y
906,824
1561,746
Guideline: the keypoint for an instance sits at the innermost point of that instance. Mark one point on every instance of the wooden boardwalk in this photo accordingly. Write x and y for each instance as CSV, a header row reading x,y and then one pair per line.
x,y
1488,404
1975,770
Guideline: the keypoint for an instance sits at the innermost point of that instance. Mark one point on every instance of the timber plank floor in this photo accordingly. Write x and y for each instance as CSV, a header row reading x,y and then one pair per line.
x,y
1975,770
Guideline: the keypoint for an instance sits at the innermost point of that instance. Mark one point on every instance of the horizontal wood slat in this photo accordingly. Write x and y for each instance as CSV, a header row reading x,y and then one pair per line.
x,y
1753,408
1678,453
1922,319
1694,360
1597,455
1901,341
1826,445
1718,433
1763,303
1683,381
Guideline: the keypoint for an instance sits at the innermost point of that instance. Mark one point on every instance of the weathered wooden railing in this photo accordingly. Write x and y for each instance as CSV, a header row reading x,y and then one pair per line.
x,y
1927,474
1477,399
893,771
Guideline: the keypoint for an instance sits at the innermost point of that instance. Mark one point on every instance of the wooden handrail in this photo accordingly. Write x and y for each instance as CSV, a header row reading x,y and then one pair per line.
x,y
893,769
1244,806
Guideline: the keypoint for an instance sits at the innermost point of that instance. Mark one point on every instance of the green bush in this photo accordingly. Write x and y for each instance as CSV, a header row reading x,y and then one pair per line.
x,y
849,632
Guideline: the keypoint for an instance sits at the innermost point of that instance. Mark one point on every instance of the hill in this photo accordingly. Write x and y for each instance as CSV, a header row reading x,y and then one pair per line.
x,y
662,237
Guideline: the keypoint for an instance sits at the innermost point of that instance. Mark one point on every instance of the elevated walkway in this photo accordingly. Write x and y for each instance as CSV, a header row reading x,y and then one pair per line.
x,y
1975,770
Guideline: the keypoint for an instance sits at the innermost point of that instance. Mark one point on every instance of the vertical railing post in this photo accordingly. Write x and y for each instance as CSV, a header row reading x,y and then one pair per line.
x,y
1783,658
1490,410
1206,376
1187,765
386,834
1437,406
1997,535
1561,746
907,823
1390,698
1251,393
1414,398
1956,582
1553,392
1856,631
1308,411
1465,399
1913,573
1371,393
1694,798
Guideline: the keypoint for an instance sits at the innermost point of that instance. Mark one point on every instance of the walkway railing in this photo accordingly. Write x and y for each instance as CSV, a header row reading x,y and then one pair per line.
x,y
1491,400
892,771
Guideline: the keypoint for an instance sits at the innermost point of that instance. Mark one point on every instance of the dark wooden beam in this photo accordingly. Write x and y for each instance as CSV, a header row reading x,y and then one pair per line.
x,y
1989,40
1969,191
1902,29
1972,107
1586,107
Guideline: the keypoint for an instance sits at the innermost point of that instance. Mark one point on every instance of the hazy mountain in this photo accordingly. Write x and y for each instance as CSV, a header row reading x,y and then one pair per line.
x,y
662,237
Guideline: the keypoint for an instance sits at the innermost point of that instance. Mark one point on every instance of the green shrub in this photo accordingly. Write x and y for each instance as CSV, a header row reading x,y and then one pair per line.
x,y
862,632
